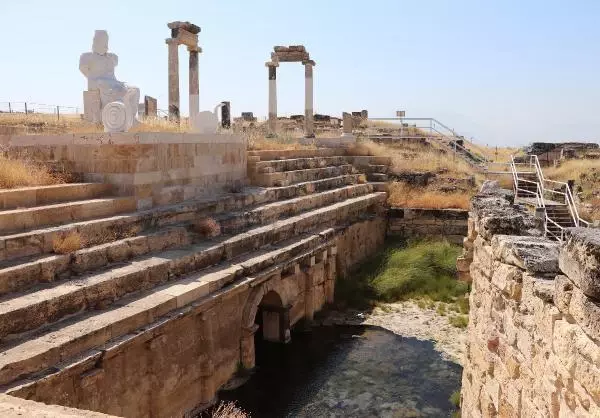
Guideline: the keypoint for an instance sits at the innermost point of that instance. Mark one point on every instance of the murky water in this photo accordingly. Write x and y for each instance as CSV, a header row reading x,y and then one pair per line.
x,y
348,372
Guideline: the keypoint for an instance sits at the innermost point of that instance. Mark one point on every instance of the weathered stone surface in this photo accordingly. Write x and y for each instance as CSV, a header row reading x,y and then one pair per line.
x,y
538,327
534,254
580,259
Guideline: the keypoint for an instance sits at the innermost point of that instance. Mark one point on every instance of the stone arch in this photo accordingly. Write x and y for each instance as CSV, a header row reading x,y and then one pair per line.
x,y
270,295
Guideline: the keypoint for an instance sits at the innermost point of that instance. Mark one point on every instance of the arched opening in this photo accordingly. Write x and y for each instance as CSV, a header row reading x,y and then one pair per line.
x,y
273,319
266,318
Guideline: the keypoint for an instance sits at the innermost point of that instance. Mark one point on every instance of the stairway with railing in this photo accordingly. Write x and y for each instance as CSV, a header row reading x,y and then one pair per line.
x,y
437,134
553,198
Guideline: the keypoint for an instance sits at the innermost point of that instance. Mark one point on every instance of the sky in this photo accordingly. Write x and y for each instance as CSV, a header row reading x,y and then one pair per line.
x,y
501,72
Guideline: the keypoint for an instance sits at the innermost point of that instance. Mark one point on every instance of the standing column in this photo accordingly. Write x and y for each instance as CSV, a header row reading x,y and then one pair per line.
x,y
194,83
272,97
309,126
173,79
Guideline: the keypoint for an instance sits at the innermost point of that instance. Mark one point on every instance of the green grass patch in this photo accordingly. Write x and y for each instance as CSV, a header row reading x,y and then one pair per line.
x,y
459,321
423,270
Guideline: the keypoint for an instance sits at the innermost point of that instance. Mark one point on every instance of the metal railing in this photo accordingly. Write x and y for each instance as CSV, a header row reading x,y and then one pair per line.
x,y
546,187
436,133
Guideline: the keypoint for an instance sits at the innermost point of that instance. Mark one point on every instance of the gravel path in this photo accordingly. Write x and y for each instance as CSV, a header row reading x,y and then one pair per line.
x,y
409,320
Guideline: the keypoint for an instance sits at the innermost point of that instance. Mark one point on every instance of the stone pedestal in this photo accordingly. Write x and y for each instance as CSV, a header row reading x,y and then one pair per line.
x,y
150,107
347,125
92,106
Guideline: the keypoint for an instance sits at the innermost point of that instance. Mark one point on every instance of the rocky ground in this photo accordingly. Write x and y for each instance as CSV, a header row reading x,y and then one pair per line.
x,y
409,320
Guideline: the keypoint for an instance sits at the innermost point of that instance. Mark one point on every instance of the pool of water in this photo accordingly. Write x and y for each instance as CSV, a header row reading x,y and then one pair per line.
x,y
348,372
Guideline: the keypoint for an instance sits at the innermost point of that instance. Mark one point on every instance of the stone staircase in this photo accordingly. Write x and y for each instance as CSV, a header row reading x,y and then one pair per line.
x,y
135,268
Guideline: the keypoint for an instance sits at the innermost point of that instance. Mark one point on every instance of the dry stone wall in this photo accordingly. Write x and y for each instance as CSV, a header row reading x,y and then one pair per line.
x,y
450,224
534,325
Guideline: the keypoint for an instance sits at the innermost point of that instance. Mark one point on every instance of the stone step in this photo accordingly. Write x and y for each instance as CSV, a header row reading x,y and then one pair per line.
x,y
297,176
235,222
367,160
42,350
377,168
27,311
102,230
26,197
377,177
16,276
98,231
296,153
292,164
21,219
309,187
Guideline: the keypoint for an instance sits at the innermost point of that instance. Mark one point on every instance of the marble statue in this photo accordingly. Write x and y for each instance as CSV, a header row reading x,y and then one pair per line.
x,y
119,101
206,122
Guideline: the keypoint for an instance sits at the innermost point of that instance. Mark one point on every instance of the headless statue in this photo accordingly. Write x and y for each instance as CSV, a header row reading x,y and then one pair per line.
x,y
99,68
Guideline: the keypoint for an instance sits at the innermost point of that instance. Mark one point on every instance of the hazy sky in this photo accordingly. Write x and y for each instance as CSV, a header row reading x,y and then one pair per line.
x,y
505,73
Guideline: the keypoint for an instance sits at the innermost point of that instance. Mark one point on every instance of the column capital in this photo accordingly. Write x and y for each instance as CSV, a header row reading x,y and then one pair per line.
x,y
194,49
171,41
271,64
309,62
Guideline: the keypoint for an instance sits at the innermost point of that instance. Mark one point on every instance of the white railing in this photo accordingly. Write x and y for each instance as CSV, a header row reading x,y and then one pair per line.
x,y
546,187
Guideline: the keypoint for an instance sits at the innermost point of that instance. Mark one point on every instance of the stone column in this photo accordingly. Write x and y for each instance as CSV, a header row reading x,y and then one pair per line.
x,y
309,127
173,79
272,97
194,82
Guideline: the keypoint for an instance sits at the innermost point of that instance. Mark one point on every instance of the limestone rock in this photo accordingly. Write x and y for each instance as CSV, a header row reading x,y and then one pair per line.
x,y
580,259
534,254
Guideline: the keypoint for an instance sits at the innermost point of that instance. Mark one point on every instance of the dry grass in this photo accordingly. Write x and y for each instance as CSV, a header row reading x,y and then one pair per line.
x,y
18,173
229,410
207,228
496,154
586,173
36,124
415,157
402,195
67,243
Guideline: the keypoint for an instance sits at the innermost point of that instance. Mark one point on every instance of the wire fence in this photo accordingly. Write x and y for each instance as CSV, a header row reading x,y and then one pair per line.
x,y
32,108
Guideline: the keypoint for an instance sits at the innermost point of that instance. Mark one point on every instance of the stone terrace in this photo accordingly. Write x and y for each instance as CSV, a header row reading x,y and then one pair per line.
x,y
150,295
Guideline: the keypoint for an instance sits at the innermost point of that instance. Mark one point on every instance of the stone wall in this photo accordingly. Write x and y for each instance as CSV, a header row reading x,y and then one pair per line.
x,y
533,334
358,242
156,168
450,224
177,364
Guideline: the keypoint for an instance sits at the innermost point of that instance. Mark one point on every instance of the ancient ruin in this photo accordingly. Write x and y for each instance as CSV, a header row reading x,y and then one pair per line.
x,y
107,100
293,53
533,329
183,33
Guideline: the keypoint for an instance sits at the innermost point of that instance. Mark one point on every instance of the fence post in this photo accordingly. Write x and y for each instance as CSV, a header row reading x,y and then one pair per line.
x,y
58,112
9,108
25,108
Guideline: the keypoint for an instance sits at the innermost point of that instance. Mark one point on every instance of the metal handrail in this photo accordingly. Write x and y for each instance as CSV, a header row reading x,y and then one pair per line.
x,y
569,200
542,190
